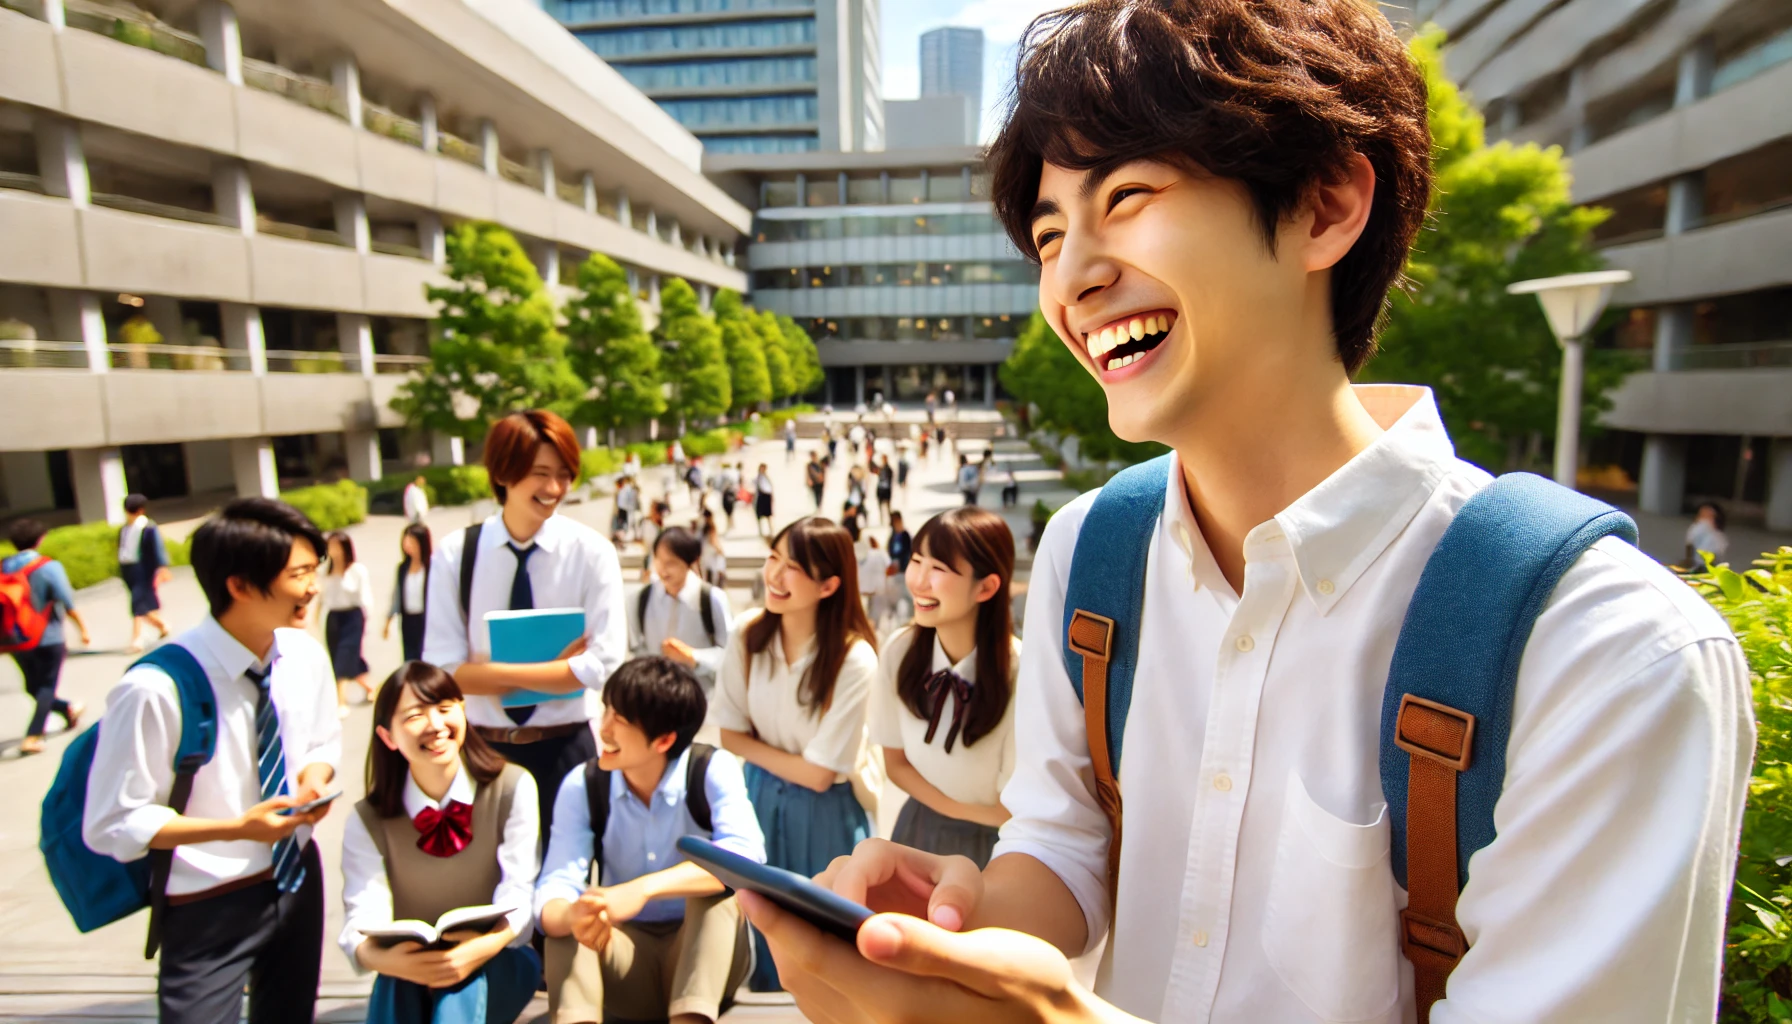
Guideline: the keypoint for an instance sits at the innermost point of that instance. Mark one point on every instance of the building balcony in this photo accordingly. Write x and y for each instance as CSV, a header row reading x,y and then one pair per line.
x,y
1741,255
894,300
1750,402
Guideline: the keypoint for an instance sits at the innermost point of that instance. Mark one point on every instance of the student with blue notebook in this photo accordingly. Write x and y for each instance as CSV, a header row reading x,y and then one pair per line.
x,y
534,704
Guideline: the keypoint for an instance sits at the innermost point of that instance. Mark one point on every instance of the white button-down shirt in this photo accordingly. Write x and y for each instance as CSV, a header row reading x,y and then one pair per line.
x,y
1254,878
367,892
575,568
770,704
133,766
681,615
973,774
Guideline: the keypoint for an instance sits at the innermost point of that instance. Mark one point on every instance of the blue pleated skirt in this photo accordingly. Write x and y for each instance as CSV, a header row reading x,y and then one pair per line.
x,y
804,832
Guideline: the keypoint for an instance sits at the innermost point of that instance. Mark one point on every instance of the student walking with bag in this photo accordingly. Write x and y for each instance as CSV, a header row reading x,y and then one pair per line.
x,y
678,614
943,707
244,902
791,703
410,590
636,932
348,594
762,501
35,598
143,565
446,825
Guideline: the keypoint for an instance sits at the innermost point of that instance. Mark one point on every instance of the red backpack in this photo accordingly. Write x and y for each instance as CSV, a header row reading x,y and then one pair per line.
x,y
22,623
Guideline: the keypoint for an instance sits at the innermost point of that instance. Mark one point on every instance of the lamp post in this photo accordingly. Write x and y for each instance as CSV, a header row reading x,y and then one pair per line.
x,y
1571,303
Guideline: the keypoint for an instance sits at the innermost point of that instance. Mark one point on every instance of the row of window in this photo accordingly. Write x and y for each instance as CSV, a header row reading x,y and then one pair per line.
x,y
945,186
744,111
761,143
721,73
623,42
579,11
900,275
904,328
768,230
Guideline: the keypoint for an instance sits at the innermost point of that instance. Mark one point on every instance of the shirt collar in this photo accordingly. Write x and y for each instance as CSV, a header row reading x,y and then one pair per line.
x,y
670,791
228,653
547,538
415,800
693,589
966,666
1341,526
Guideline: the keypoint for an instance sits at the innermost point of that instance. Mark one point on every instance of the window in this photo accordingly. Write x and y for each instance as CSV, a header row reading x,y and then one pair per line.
x,y
623,42
1638,214
1003,326
946,187
906,189
790,277
777,193
721,73
762,144
577,11
824,192
1749,183
865,191
744,111
1746,64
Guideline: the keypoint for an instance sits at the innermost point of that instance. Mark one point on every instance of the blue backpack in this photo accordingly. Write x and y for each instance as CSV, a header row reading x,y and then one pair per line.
x,y
96,889
1446,711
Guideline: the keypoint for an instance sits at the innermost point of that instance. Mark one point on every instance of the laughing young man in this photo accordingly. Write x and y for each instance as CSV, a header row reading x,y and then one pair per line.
x,y
1220,194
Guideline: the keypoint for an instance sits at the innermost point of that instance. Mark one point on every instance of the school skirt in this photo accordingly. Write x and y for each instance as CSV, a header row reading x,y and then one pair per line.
x,y
924,828
762,505
410,631
141,581
804,832
343,629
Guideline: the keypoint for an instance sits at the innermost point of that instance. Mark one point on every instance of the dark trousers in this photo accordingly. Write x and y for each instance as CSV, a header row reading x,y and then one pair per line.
x,y
259,936
548,761
410,632
42,668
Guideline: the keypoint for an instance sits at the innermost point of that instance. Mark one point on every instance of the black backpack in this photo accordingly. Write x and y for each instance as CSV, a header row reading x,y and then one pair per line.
x,y
704,598
597,800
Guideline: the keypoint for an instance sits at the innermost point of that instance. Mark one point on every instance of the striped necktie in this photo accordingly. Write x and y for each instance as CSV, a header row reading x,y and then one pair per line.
x,y
270,760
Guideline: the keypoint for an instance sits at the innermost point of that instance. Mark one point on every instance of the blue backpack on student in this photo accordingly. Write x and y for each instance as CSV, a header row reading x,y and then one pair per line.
x,y
1446,711
96,889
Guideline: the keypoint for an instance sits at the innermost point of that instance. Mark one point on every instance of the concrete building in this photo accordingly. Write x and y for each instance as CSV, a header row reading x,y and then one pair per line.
x,y
1677,120
894,263
747,76
952,65
220,219
930,122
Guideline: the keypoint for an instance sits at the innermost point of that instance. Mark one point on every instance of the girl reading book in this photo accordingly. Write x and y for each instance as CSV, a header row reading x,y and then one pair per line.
x,y
790,701
447,826
943,708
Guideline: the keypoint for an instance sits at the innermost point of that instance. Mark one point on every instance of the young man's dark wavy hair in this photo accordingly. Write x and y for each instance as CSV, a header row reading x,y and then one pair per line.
x,y
1275,94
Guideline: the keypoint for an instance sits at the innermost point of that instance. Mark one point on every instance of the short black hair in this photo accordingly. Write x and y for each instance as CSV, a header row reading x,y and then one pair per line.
x,y
25,533
250,539
135,503
682,543
348,548
659,696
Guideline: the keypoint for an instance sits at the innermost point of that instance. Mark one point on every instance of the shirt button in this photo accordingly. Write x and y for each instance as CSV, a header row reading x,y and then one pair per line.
x,y
1222,782
653,856
1326,587
1245,643
1200,939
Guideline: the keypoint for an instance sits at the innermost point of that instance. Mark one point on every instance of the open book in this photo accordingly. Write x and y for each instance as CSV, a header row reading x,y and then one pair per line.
x,y
480,919
531,636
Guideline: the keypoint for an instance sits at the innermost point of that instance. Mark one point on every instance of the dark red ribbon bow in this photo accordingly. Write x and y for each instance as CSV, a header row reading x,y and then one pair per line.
x,y
444,833
938,685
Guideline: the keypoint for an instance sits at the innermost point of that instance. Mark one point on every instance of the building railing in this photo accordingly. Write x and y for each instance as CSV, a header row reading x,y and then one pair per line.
x,y
396,249
571,192
151,208
42,355
1749,355
129,23
521,173
29,8
398,363
299,231
312,92
21,181
453,146
393,125
16,354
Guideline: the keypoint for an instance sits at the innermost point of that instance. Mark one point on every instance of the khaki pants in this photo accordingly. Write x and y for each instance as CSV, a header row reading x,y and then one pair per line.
x,y
652,970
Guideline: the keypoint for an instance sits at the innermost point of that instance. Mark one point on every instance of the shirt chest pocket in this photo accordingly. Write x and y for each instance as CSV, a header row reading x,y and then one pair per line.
x,y
1331,928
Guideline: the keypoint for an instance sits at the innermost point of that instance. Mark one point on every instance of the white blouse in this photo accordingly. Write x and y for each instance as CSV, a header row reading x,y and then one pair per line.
x,y
973,774
352,589
413,591
770,707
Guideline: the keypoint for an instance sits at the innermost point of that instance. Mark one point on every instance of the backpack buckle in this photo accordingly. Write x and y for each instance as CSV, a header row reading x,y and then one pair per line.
x,y
1090,635
1428,936
1436,732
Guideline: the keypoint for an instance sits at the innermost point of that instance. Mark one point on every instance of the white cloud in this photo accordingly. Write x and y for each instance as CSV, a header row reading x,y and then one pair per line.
x,y
1002,21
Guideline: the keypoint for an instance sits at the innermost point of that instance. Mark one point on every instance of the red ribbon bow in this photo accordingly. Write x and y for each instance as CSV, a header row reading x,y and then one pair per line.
x,y
938,685
444,833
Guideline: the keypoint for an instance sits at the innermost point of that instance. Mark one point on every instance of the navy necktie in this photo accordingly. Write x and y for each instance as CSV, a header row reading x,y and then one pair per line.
x,y
270,760
522,598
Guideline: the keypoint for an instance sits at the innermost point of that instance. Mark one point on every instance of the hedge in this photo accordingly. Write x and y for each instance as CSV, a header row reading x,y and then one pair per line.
x,y
90,551
330,506
443,485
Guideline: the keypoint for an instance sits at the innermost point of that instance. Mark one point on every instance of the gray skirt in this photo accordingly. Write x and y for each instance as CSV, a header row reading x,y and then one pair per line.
x,y
924,828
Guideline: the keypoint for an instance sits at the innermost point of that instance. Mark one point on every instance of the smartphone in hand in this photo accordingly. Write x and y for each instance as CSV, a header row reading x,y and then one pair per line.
x,y
307,808
823,908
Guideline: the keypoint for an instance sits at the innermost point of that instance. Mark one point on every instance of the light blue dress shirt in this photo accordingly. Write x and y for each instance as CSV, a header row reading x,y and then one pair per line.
x,y
640,839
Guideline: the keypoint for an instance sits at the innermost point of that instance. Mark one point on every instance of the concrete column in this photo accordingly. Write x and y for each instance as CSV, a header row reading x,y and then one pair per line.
x,y
622,209
728,255
1579,131
351,220
232,195
1779,484
164,314
354,332
252,466
1510,113
430,124
883,186
362,447
488,146
546,257
704,295
653,223
345,75
55,14
802,190
840,183
62,160
588,185
964,176
98,477
544,162
27,479
1661,484
989,385
1673,333
653,291
675,235
223,39
208,466
926,179
858,384
446,451
432,239
1692,80
76,316
243,333
1686,203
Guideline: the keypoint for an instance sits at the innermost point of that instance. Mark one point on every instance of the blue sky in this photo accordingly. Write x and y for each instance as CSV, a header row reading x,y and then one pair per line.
x,y
1002,22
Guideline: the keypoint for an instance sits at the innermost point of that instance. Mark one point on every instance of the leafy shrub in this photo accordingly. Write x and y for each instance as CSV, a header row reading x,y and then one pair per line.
x,y
330,506
1757,978
651,453
90,552
709,442
596,462
443,485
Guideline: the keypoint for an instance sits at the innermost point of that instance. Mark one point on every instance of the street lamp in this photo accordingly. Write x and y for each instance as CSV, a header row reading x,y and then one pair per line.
x,y
1571,304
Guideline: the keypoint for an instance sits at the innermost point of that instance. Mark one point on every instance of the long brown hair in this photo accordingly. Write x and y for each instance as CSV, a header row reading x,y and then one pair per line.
x,y
979,538
387,768
822,549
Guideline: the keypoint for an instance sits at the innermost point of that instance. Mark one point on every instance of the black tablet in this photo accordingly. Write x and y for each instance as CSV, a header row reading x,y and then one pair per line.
x,y
826,910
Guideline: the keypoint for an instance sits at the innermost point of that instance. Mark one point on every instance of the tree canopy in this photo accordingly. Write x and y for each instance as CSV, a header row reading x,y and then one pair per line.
x,y
805,362
1042,372
777,354
692,360
749,373
610,350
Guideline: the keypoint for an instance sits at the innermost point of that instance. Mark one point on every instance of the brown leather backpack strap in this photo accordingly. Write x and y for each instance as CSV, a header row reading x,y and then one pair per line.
x,y
1092,636
1437,739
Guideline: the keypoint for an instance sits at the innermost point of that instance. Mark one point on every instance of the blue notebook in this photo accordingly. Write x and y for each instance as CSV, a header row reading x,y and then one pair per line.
x,y
529,637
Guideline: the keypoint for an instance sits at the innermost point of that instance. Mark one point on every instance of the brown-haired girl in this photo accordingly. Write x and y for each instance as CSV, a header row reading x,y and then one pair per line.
x,y
347,594
410,590
790,701
446,823
943,708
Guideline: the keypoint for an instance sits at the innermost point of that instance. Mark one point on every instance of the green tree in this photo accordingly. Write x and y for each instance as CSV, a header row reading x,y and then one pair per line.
x,y
610,350
691,357
495,347
777,354
749,357
805,362
1042,372
1499,214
